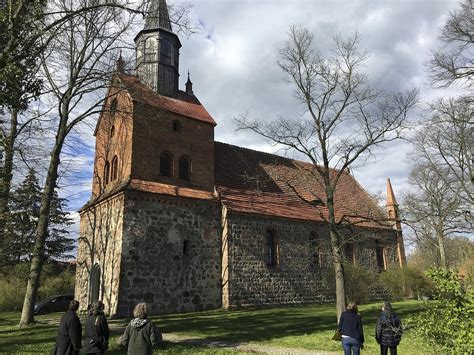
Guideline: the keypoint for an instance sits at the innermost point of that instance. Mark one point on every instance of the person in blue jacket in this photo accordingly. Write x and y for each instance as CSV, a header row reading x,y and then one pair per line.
x,y
350,326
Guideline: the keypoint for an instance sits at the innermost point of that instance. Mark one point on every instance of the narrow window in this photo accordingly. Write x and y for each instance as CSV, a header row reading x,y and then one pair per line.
x,y
177,126
316,253
106,172
349,252
113,107
112,131
166,51
186,248
166,164
184,168
113,170
150,49
271,249
379,254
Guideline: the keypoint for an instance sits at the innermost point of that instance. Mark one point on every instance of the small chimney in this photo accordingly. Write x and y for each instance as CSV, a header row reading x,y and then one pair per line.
x,y
189,86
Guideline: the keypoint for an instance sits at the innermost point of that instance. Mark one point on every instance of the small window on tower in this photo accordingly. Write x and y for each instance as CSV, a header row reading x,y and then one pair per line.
x,y
113,108
166,51
166,161
114,169
112,131
177,126
186,247
150,49
106,173
184,168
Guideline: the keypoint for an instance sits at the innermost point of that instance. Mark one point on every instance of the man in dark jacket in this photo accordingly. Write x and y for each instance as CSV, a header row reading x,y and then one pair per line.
x,y
68,341
97,330
388,331
352,332
141,335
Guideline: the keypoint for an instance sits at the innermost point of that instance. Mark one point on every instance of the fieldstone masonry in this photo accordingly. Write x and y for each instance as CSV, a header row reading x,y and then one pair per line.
x,y
171,256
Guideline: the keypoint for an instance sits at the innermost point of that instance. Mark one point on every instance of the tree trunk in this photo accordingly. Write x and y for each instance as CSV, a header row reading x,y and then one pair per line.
x,y
7,173
27,314
337,257
442,252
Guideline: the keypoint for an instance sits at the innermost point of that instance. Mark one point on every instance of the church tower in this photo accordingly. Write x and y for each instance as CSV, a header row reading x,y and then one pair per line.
x,y
393,216
157,51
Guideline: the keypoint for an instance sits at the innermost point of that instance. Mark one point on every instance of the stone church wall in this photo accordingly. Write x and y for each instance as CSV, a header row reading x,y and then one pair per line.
x,y
171,254
303,274
99,248
252,283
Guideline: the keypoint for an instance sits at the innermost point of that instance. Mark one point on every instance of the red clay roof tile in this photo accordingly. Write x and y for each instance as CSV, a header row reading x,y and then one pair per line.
x,y
183,104
249,181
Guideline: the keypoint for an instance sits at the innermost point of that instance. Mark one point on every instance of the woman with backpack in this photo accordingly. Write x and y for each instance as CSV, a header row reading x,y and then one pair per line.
x,y
97,330
388,331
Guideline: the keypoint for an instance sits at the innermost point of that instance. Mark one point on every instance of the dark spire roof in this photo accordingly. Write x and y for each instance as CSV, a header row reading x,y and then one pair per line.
x,y
158,16
189,86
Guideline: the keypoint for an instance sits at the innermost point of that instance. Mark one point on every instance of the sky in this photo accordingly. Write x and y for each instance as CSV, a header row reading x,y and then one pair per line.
x,y
232,62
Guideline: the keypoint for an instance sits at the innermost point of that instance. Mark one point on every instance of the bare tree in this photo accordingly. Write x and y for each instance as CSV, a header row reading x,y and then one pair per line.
x,y
434,211
444,143
344,119
454,61
76,65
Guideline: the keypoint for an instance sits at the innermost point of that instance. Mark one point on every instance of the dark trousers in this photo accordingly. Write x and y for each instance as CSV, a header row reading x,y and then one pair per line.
x,y
384,350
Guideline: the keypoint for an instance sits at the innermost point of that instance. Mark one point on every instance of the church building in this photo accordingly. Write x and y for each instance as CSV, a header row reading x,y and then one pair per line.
x,y
185,223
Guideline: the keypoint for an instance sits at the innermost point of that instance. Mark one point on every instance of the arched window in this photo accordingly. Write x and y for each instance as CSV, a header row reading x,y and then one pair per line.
x,y
112,131
316,251
380,255
349,252
166,164
114,169
94,284
177,126
184,168
106,172
272,249
113,107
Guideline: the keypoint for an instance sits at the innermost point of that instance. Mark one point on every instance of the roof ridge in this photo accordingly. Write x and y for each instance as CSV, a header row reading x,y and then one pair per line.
x,y
272,155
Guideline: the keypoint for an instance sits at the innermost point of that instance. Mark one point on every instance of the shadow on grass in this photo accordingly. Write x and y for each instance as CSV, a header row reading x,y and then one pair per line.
x,y
251,326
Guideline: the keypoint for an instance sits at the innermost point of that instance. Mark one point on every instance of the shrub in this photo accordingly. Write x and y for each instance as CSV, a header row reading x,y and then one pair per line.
x,y
447,321
361,284
406,283
54,280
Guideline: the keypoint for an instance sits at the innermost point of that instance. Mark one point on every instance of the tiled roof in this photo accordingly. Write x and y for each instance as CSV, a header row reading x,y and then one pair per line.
x,y
254,182
183,104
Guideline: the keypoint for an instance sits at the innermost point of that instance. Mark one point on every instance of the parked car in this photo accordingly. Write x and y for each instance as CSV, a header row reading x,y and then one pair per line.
x,y
58,303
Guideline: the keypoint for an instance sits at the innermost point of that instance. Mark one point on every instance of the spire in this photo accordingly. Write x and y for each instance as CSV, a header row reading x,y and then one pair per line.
x,y
158,16
120,65
392,210
391,201
189,86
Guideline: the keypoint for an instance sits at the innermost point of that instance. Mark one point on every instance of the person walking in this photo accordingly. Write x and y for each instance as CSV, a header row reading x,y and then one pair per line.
x,y
388,330
141,335
68,340
97,330
352,332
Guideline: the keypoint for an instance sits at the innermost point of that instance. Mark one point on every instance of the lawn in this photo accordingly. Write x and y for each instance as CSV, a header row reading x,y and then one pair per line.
x,y
306,327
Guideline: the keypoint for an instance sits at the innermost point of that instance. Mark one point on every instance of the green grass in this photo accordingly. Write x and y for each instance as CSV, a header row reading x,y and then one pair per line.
x,y
306,327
